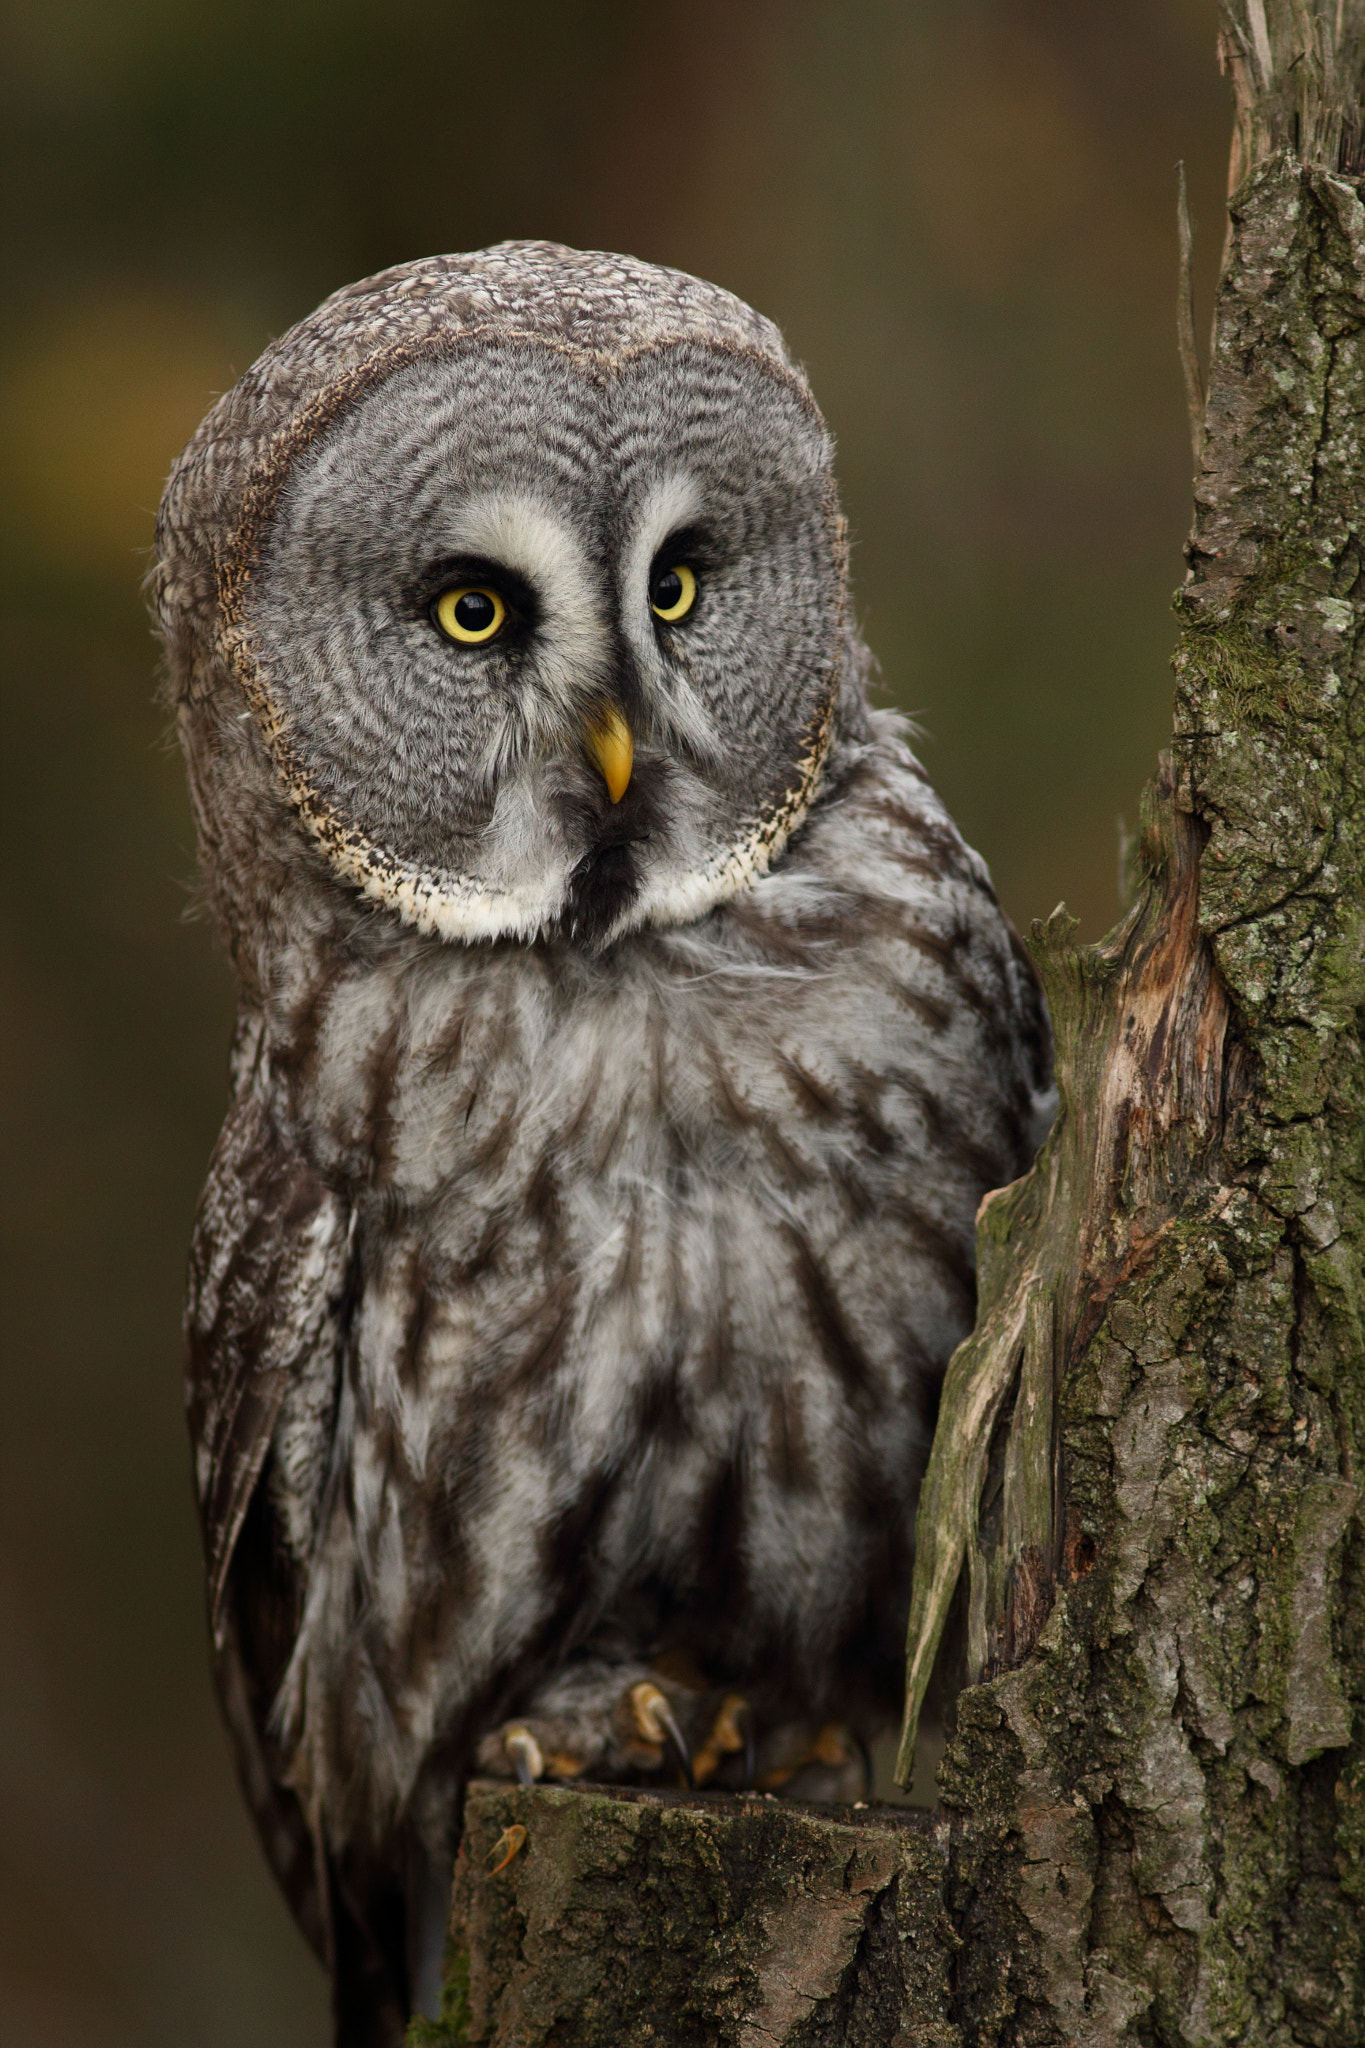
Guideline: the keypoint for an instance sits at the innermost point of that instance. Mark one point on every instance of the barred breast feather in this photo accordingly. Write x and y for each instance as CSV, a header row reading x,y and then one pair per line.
x,y
659,1258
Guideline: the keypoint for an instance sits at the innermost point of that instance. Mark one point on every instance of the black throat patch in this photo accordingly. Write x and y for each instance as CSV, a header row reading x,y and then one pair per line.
x,y
606,879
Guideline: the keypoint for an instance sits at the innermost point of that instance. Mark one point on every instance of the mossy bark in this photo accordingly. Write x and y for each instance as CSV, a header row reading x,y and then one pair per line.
x,y
1152,1826
590,1918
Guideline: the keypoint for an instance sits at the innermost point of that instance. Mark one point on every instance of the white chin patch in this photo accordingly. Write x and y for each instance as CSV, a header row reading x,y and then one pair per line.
x,y
532,897
460,907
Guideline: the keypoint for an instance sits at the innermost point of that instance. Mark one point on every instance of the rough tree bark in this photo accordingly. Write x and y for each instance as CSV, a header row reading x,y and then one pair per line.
x,y
1143,1502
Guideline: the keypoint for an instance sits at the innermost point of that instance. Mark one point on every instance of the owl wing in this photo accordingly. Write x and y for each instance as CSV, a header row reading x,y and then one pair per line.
x,y
266,1308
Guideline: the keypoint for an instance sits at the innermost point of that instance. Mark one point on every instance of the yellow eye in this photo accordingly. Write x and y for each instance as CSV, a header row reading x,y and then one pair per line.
x,y
470,615
672,592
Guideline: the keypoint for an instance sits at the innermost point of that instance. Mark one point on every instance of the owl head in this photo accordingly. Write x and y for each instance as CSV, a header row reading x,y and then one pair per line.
x,y
510,588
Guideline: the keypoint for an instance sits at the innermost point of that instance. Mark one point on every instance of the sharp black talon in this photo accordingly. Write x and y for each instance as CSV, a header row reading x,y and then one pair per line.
x,y
654,1719
670,1727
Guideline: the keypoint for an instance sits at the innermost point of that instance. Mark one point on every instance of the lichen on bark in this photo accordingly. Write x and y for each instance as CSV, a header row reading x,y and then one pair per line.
x,y
1197,1686
627,1917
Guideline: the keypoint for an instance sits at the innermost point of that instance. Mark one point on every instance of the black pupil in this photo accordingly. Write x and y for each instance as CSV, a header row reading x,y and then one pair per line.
x,y
474,611
667,589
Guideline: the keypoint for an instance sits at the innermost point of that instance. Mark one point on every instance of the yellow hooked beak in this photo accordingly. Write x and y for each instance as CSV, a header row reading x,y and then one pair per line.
x,y
610,745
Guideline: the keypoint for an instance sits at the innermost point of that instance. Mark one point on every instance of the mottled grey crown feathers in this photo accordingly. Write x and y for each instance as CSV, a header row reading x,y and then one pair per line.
x,y
591,301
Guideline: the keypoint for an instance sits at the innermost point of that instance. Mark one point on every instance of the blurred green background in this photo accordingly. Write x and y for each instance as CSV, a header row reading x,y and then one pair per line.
x,y
961,212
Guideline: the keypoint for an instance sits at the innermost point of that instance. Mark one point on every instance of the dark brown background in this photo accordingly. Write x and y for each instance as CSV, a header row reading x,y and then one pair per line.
x,y
962,213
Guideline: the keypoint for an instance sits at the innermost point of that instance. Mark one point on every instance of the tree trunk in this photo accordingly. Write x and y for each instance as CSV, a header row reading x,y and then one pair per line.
x,y
1142,1501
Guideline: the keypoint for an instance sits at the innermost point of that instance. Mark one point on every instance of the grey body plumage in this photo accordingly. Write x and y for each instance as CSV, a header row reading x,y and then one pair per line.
x,y
594,1216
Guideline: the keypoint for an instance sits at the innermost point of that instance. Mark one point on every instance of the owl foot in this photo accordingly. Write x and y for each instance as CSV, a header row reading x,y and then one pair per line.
x,y
625,1722
599,1720
829,1765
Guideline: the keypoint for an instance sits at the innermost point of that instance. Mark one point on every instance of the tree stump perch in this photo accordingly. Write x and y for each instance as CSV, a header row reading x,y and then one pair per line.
x,y
628,1916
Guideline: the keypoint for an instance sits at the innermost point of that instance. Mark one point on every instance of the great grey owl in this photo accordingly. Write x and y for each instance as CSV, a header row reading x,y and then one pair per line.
x,y
626,1039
